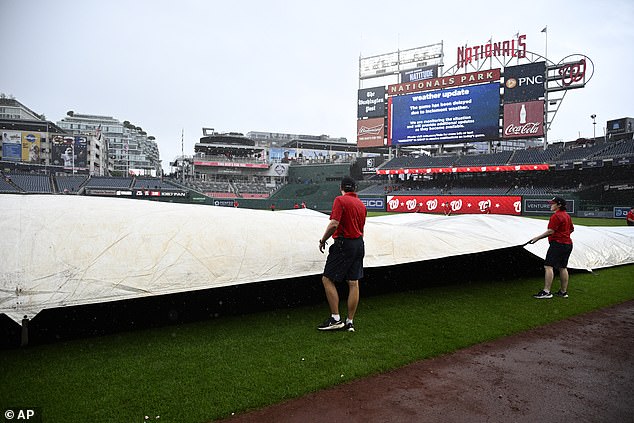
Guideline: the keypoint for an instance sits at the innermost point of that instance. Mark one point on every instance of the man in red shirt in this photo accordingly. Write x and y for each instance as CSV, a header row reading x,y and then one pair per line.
x,y
630,217
559,229
345,255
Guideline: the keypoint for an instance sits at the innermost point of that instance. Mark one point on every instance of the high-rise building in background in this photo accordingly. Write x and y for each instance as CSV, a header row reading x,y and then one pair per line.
x,y
129,149
26,136
93,144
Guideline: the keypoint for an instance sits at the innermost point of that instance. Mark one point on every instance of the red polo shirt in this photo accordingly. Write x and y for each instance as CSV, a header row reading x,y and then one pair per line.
x,y
350,212
561,223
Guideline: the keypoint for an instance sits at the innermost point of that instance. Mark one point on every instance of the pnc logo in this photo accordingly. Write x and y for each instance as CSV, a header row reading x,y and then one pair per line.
x,y
524,81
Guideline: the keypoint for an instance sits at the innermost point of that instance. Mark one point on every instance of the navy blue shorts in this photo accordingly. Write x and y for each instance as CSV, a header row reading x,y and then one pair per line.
x,y
345,260
558,255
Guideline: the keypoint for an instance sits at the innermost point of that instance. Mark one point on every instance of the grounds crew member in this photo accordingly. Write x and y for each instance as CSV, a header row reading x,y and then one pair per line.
x,y
345,255
559,229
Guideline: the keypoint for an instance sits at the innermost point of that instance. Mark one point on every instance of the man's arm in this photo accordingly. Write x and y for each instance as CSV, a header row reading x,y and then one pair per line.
x,y
544,235
330,230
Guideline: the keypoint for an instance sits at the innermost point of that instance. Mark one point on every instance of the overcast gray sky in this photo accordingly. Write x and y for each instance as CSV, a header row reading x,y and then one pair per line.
x,y
282,66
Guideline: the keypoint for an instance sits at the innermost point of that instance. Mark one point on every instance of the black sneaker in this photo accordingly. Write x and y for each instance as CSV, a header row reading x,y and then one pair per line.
x,y
331,324
349,327
543,294
562,294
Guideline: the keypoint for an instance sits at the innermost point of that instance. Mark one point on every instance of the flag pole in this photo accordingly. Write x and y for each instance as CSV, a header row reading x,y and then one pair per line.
x,y
182,155
545,31
546,125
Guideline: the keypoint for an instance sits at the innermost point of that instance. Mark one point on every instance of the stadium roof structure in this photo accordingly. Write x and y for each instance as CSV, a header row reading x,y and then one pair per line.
x,y
30,125
220,149
320,145
232,138
164,248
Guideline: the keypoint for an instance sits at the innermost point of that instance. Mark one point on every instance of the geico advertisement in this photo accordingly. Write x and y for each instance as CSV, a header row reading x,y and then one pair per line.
x,y
373,203
455,204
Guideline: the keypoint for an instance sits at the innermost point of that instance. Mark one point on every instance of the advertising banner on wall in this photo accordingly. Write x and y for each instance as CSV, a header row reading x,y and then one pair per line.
x,y
524,82
620,212
392,63
588,164
371,102
523,120
455,204
452,115
463,169
370,132
419,74
479,77
369,164
542,205
374,203
11,145
31,147
70,152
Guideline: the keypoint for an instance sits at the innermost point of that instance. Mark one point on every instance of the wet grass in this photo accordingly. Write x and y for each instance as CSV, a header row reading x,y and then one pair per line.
x,y
205,370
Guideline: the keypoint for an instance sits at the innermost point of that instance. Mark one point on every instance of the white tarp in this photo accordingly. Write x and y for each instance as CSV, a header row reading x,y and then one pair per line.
x,y
58,250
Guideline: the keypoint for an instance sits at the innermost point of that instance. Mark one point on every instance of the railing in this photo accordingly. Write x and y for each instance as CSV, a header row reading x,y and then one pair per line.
x,y
223,158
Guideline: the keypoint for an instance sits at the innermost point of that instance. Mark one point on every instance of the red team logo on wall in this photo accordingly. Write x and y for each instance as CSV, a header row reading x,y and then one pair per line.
x,y
454,204
524,120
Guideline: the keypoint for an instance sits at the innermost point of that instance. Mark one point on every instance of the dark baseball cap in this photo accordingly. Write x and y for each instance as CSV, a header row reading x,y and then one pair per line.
x,y
558,200
347,183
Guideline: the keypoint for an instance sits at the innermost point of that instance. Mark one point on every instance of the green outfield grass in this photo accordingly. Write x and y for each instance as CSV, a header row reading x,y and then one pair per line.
x,y
207,370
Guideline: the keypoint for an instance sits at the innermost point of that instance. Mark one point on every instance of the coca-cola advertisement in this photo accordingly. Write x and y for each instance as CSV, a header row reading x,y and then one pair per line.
x,y
524,120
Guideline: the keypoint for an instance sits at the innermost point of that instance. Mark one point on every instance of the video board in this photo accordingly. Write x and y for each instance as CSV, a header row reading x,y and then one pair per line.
x,y
468,113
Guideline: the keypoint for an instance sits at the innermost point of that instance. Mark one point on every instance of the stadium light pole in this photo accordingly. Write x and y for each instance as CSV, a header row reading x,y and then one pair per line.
x,y
594,126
